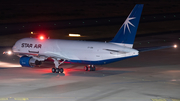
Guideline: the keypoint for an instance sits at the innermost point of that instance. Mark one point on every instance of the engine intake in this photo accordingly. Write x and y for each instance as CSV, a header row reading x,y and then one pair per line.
x,y
28,61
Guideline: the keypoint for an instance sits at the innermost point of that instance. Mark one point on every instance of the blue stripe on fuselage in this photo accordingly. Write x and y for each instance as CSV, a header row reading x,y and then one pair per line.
x,y
101,62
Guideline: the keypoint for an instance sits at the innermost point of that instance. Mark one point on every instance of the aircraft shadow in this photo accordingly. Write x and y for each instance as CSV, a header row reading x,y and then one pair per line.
x,y
98,73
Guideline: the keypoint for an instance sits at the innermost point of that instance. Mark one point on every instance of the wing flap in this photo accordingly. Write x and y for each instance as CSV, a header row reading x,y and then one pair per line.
x,y
117,51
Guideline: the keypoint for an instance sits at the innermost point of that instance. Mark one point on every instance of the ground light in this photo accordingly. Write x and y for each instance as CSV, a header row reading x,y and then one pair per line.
x,y
6,64
175,46
74,35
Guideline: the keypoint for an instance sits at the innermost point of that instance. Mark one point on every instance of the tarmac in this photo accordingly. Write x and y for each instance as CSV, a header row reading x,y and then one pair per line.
x,y
152,76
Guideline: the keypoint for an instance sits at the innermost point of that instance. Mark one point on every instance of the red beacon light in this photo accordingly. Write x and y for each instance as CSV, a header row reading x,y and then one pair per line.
x,y
41,37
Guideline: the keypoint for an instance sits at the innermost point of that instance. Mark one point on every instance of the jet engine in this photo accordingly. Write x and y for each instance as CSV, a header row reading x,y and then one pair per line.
x,y
29,61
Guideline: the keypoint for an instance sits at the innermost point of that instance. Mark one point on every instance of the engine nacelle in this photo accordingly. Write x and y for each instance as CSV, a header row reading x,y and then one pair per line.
x,y
28,61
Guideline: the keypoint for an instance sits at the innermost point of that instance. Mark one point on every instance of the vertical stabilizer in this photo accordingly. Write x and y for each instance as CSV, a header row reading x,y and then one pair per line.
x,y
126,34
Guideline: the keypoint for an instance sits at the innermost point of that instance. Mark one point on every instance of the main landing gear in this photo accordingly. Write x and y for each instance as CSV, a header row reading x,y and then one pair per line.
x,y
90,68
61,70
57,64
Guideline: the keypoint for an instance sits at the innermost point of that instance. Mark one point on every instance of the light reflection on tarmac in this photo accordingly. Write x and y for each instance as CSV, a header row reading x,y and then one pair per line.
x,y
6,64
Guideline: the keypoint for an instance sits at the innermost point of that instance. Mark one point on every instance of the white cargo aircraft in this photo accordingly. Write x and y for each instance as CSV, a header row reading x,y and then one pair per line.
x,y
33,50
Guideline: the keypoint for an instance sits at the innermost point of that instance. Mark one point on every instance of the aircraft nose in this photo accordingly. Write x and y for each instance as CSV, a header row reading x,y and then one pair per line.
x,y
14,48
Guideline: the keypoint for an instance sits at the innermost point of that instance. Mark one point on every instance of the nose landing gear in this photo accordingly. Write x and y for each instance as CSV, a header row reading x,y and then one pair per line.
x,y
57,64
57,70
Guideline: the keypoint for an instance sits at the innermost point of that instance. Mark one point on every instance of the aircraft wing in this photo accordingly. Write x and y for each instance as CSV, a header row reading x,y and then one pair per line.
x,y
145,49
23,54
45,56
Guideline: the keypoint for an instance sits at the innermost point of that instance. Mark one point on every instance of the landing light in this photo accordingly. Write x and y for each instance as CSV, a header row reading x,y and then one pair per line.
x,y
8,52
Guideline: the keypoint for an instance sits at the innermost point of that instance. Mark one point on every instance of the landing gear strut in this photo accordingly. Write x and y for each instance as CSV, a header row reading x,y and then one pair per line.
x,y
57,64
90,68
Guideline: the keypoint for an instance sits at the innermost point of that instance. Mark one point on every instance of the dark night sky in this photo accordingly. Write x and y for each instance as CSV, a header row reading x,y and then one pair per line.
x,y
23,11
48,10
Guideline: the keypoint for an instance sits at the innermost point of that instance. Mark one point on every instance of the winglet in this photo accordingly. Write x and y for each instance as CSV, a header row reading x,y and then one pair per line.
x,y
126,34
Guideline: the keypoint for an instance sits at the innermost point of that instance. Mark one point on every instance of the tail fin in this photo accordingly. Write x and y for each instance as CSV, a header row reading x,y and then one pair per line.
x,y
126,34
